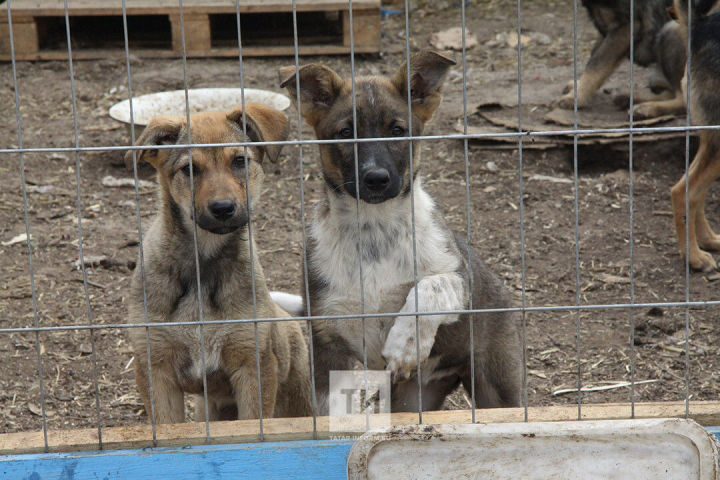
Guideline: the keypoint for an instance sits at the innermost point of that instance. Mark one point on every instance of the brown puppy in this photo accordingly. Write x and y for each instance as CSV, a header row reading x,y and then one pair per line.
x,y
657,45
704,110
365,223
170,288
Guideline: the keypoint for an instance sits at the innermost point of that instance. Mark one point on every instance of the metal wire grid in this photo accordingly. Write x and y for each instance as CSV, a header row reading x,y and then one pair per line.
x,y
521,134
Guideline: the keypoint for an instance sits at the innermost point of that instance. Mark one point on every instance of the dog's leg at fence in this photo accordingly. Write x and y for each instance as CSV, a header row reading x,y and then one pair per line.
x,y
706,237
167,394
295,392
705,168
604,59
568,88
245,386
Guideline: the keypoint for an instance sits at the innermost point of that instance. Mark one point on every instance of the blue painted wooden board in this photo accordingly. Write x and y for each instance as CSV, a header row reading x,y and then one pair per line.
x,y
323,459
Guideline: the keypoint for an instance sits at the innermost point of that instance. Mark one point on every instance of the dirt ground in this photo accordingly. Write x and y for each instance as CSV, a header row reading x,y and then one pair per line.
x,y
109,223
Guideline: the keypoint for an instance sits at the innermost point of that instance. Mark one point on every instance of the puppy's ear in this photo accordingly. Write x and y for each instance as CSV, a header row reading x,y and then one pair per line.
x,y
319,87
163,130
263,124
427,74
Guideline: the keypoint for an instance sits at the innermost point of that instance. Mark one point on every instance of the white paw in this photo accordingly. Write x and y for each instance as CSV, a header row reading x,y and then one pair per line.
x,y
401,351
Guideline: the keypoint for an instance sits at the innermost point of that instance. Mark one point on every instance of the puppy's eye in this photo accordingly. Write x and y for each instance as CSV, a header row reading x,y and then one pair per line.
x,y
238,163
186,170
398,131
346,132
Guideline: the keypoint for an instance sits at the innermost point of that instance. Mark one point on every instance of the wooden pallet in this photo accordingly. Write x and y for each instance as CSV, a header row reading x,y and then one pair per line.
x,y
210,28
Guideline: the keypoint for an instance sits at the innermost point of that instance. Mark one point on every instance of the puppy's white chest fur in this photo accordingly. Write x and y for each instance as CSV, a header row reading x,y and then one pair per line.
x,y
377,241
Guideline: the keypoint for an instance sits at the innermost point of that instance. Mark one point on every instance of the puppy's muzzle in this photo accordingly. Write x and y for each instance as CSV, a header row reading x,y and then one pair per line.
x,y
222,216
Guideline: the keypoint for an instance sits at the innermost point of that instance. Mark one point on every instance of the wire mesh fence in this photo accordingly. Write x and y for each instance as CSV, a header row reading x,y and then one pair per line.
x,y
592,286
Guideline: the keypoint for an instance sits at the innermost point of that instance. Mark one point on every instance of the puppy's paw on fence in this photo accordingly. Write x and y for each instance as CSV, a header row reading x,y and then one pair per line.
x,y
401,351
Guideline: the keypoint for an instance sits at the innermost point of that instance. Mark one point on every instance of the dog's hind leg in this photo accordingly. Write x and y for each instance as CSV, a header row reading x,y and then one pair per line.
x,y
218,409
704,170
498,364
405,394
331,352
605,57
657,108
495,385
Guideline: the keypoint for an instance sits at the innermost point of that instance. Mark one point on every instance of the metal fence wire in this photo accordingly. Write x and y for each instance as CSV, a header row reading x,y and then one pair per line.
x,y
296,144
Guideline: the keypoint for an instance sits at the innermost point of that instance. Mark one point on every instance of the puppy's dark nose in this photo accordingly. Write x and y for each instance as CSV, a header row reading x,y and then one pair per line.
x,y
222,209
376,180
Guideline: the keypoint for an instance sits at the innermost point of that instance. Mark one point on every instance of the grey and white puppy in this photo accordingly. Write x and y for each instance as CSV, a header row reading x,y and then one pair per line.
x,y
382,247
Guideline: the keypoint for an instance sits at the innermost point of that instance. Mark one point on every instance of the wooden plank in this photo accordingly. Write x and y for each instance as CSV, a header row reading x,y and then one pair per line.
x,y
157,7
248,51
277,429
5,41
288,460
366,31
196,28
25,37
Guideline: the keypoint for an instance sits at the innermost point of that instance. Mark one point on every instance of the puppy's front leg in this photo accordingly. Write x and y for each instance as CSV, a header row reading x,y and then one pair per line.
x,y
167,395
245,387
441,292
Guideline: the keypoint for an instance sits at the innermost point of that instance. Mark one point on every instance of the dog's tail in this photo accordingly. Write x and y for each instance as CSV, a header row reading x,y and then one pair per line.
x,y
698,10
293,304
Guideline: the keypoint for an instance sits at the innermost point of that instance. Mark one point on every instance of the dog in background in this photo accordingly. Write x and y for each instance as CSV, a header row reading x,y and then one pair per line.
x,y
658,45
704,74
220,211
377,237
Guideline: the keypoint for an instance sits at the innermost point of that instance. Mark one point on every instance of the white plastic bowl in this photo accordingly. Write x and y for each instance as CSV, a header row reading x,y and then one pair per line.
x,y
148,106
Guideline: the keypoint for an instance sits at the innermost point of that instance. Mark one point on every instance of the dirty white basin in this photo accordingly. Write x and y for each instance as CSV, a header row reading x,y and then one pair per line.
x,y
146,107
668,449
